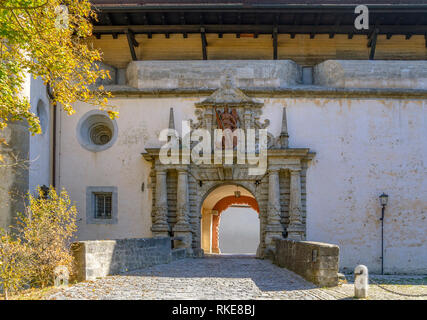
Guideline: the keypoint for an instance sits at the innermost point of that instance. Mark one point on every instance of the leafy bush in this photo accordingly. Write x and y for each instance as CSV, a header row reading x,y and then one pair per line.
x,y
47,228
41,241
15,264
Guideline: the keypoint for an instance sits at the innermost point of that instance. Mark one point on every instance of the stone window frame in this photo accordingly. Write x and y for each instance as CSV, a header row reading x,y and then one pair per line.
x,y
90,205
83,134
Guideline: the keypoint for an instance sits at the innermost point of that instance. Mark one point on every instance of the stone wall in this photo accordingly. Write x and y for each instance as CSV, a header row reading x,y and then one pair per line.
x,y
315,261
209,74
94,259
26,158
371,74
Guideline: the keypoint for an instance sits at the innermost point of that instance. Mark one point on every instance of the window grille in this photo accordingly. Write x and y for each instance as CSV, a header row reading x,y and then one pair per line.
x,y
103,205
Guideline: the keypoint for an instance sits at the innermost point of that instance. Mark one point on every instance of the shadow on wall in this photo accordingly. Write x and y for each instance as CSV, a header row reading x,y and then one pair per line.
x,y
239,230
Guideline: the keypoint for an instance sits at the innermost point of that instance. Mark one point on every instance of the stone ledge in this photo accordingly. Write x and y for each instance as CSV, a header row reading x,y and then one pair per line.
x,y
210,73
317,262
297,91
340,78
371,74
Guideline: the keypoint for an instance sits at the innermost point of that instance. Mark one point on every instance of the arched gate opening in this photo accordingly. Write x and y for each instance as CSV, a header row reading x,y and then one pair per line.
x,y
236,211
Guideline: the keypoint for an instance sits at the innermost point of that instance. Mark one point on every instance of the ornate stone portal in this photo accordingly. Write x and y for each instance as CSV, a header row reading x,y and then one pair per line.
x,y
179,190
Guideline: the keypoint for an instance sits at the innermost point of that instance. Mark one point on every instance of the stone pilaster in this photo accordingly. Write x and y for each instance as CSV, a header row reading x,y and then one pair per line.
x,y
160,226
182,228
215,234
273,229
296,227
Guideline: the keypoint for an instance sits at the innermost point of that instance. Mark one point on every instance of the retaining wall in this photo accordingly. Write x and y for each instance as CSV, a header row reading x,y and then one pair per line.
x,y
315,261
94,259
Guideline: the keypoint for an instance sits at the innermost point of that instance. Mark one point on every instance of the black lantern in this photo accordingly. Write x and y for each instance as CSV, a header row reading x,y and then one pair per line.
x,y
383,199
383,202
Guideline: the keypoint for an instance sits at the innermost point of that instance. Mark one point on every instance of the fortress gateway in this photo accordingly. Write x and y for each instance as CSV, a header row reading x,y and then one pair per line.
x,y
345,112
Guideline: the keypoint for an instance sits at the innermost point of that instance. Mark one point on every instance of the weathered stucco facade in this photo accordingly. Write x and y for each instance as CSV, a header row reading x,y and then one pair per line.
x,y
27,158
366,141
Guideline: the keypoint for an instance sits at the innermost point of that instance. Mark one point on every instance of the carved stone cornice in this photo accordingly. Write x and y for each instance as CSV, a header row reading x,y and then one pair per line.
x,y
229,96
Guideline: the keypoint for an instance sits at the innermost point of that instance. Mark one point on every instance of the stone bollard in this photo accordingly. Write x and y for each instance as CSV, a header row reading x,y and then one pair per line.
x,y
62,275
361,281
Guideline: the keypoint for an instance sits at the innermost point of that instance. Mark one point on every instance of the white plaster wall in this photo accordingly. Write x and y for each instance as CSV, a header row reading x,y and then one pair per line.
x,y
363,148
122,165
39,157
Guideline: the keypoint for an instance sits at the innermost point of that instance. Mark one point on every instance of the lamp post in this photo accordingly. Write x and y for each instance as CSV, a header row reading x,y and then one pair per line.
x,y
383,201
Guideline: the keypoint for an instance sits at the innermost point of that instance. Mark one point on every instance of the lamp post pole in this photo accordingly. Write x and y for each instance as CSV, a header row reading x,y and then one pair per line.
x,y
383,201
382,239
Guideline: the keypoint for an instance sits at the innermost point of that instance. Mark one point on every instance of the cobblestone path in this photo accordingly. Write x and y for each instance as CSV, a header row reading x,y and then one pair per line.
x,y
213,277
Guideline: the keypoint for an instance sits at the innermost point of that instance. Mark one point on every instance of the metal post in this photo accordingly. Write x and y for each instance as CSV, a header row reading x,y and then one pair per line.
x,y
382,239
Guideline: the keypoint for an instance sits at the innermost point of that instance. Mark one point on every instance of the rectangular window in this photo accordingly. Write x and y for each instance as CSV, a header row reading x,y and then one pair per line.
x,y
103,205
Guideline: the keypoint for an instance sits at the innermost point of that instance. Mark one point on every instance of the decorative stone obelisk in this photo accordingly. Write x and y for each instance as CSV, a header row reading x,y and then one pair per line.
x,y
284,136
171,119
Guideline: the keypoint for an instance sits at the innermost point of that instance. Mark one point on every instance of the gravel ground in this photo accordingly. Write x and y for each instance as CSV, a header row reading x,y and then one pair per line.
x,y
230,277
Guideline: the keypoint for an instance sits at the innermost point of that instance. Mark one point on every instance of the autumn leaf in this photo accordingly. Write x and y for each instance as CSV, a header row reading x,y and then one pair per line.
x,y
32,42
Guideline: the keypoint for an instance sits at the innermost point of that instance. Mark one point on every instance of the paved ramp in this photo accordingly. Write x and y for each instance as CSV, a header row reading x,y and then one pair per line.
x,y
212,277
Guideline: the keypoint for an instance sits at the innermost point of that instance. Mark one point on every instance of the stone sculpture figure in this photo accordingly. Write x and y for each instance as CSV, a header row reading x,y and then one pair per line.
x,y
228,120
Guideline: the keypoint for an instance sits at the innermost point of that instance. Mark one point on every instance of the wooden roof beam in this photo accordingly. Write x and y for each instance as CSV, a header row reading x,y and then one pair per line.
x,y
108,19
145,18
127,19
373,44
275,43
260,29
204,43
337,25
132,44
316,23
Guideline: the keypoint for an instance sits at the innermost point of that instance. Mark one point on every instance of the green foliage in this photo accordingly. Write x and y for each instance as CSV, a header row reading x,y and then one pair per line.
x,y
33,40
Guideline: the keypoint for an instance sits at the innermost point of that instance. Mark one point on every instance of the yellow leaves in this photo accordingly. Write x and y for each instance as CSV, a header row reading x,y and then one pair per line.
x,y
47,228
60,57
112,114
